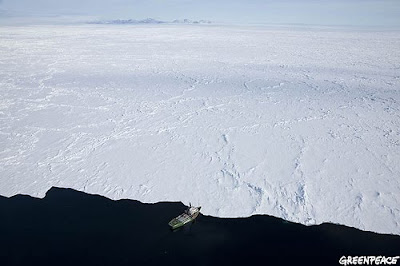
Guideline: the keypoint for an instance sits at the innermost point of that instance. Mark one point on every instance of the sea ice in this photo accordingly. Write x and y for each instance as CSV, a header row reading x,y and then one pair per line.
x,y
302,124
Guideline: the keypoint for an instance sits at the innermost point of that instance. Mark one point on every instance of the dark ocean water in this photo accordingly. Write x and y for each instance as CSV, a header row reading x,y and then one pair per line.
x,y
68,227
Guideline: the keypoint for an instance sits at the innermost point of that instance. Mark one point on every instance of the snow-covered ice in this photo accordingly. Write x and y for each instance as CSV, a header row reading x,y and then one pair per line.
x,y
302,124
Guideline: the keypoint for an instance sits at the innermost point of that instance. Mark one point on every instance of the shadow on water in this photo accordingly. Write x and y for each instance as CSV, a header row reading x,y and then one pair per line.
x,y
68,227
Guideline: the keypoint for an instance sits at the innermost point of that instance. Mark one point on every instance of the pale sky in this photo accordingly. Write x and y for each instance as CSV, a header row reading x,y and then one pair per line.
x,y
314,12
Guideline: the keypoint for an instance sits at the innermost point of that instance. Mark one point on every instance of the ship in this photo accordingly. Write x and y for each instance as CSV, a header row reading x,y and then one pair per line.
x,y
189,215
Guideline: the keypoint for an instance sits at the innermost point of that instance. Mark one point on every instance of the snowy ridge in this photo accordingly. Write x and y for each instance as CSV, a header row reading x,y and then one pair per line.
x,y
300,124
149,21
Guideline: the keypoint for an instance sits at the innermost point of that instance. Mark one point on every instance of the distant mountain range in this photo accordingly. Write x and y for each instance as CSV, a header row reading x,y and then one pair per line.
x,y
149,21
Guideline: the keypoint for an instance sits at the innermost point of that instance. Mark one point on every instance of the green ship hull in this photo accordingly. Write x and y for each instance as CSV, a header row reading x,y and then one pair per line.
x,y
186,217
